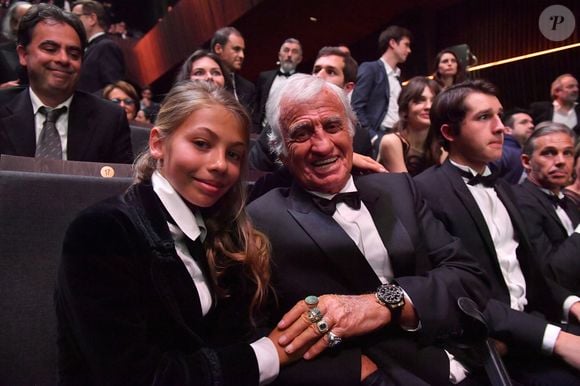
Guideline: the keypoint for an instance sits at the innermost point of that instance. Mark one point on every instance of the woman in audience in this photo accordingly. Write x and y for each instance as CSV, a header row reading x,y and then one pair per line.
x,y
573,191
160,285
204,65
123,94
448,69
410,148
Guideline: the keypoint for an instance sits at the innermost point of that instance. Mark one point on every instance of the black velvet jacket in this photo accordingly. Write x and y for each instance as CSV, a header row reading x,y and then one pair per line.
x,y
128,310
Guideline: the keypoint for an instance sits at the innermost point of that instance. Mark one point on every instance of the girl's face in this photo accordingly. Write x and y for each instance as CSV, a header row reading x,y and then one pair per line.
x,y
448,65
419,111
207,69
202,158
119,97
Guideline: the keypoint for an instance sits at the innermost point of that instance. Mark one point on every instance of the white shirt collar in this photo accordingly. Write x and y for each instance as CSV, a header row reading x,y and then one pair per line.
x,y
486,172
95,36
348,187
558,106
37,103
396,71
190,222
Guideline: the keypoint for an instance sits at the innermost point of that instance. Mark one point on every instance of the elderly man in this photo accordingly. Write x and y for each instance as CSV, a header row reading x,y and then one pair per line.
x,y
371,240
553,220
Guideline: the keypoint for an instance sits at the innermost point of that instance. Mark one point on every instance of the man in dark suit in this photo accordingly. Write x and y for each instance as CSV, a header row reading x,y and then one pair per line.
x,y
103,62
228,43
564,107
462,194
50,46
289,58
552,218
383,236
374,99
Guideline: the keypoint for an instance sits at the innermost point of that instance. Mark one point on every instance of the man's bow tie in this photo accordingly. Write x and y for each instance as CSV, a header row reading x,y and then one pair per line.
x,y
286,74
351,199
487,181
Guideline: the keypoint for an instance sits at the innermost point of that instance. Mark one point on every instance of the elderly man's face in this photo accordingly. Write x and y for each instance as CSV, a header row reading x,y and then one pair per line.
x,y
318,142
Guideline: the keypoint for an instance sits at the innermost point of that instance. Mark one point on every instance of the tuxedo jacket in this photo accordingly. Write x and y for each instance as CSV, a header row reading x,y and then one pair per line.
x,y
103,64
312,255
129,312
544,111
453,204
98,130
263,86
370,97
560,253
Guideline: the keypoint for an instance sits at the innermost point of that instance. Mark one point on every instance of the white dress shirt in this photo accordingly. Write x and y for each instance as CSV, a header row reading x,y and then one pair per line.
x,y
568,118
392,115
61,122
190,224
505,243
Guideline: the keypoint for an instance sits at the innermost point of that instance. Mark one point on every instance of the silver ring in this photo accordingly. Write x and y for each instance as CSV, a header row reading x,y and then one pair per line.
x,y
311,301
314,315
333,339
322,326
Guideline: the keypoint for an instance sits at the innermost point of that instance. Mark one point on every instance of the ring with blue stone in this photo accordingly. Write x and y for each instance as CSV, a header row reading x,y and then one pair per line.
x,y
322,326
311,301
314,315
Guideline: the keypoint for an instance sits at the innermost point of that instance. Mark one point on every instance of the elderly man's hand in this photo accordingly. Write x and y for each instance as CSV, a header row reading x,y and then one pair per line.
x,y
345,316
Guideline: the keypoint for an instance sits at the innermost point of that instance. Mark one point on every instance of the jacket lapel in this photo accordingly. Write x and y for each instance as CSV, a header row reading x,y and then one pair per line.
x,y
20,126
81,127
545,202
393,234
470,204
168,273
338,248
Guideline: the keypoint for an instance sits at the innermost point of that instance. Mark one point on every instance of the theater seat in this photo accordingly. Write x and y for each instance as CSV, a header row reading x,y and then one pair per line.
x,y
139,138
35,210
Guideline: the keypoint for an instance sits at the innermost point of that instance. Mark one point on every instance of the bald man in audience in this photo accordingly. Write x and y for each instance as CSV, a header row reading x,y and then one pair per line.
x,y
564,107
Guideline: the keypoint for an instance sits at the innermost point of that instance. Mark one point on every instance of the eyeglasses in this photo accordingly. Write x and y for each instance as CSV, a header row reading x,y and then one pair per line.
x,y
127,101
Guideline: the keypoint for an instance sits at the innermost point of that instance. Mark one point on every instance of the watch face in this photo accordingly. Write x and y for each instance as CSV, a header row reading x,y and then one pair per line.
x,y
390,294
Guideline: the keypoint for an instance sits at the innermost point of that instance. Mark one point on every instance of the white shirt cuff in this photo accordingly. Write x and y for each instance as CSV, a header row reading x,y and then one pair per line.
x,y
550,337
268,362
457,372
568,303
410,328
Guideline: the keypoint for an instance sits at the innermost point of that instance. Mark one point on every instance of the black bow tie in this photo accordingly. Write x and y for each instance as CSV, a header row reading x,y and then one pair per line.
x,y
557,201
351,199
282,73
487,181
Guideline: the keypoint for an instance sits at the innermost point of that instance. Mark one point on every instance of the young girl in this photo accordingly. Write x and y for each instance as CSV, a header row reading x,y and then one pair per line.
x,y
158,285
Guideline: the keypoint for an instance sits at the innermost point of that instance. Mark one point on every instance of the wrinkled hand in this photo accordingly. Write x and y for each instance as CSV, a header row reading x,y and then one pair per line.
x,y
367,164
575,311
346,316
568,348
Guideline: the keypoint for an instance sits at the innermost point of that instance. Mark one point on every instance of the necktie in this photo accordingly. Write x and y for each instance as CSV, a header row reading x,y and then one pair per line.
x,y
282,73
351,199
48,146
567,206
